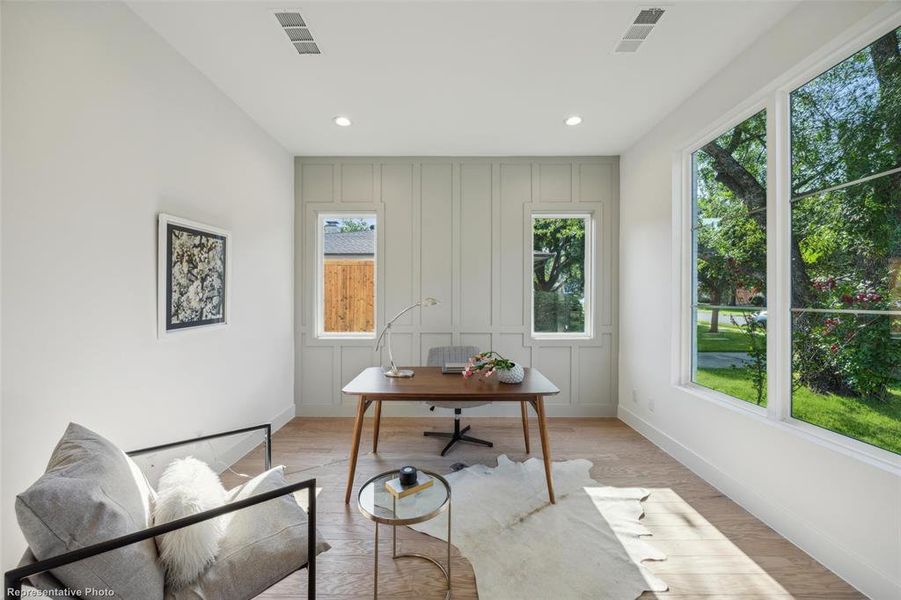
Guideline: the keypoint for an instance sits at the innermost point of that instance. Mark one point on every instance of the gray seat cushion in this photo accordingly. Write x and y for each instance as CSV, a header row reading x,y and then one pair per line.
x,y
440,355
262,545
90,493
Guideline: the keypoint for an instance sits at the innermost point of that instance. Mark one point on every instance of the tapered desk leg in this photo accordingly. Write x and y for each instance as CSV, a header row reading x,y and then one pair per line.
x,y
378,421
525,424
545,447
355,447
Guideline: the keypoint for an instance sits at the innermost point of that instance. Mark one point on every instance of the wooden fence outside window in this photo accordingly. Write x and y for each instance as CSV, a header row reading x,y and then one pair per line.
x,y
349,295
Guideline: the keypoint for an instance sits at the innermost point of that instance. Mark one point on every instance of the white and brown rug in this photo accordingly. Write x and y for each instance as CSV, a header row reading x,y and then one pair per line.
x,y
587,545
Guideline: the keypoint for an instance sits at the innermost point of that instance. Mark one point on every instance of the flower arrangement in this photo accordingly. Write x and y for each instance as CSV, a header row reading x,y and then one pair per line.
x,y
489,363
486,363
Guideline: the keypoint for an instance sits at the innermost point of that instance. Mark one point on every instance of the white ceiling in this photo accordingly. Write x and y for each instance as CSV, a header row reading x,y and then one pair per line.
x,y
459,78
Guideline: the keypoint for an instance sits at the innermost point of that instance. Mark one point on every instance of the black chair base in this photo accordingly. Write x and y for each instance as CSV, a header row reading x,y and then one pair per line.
x,y
458,435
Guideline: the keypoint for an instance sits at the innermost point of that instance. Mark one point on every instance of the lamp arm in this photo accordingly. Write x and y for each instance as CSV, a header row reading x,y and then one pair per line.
x,y
395,318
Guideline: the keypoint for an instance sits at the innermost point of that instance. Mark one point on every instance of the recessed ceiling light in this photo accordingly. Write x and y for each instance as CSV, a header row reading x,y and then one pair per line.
x,y
342,121
573,120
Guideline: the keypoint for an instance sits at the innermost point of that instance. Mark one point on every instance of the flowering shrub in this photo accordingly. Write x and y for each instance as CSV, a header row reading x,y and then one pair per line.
x,y
754,331
854,354
487,363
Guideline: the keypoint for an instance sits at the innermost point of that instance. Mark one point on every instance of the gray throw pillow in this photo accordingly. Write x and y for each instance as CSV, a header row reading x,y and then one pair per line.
x,y
262,545
92,492
44,582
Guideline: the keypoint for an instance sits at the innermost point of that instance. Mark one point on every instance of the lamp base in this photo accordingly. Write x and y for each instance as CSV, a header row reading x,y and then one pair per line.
x,y
399,373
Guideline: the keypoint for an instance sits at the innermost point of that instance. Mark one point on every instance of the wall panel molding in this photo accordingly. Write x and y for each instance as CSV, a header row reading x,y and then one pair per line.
x,y
453,228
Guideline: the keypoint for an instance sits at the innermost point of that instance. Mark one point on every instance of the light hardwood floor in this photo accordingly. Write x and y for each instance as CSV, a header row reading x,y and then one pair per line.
x,y
715,549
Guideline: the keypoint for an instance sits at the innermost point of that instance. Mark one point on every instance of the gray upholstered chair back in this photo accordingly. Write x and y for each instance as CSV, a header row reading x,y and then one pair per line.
x,y
445,354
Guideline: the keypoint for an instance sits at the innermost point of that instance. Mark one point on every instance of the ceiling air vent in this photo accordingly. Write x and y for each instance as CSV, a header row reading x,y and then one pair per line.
x,y
307,48
649,16
297,31
639,30
628,46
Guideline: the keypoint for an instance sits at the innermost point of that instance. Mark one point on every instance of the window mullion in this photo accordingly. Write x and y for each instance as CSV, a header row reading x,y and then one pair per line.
x,y
779,355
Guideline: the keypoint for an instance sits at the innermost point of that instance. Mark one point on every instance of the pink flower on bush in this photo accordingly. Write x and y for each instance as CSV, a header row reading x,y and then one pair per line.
x,y
824,284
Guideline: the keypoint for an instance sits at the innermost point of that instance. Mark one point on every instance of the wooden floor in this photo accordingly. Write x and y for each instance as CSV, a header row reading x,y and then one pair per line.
x,y
715,549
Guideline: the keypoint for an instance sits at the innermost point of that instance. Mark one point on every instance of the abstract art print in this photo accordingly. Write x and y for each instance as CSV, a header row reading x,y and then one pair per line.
x,y
193,274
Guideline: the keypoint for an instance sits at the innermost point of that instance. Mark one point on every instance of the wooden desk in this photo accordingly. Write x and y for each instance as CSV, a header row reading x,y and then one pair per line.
x,y
430,384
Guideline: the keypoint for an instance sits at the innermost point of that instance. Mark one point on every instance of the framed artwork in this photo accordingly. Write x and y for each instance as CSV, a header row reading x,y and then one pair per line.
x,y
193,268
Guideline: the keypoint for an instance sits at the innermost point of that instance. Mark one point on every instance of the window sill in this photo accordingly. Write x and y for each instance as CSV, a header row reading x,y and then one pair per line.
x,y
871,455
561,336
722,399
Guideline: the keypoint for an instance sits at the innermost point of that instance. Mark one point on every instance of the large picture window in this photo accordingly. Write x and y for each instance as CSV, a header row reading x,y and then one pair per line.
x,y
346,275
561,284
728,230
846,246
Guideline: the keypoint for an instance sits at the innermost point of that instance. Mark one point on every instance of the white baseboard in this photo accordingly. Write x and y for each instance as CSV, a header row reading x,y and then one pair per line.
x,y
242,448
787,523
283,418
419,409
220,454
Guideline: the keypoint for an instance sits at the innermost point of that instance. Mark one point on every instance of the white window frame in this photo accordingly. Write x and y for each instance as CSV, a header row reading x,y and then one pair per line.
x,y
587,269
775,99
319,309
688,192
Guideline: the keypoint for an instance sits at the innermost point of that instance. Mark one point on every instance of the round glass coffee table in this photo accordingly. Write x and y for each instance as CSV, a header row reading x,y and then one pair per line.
x,y
380,506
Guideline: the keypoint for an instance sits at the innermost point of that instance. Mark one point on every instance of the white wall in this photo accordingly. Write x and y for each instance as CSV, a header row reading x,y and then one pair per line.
x,y
105,126
457,229
2,498
843,511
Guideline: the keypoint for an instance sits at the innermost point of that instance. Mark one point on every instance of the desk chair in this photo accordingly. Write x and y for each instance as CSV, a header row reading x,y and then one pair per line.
x,y
460,354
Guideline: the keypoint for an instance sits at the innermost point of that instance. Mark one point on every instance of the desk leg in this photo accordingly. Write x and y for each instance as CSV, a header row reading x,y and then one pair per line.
x,y
378,421
525,424
545,447
355,447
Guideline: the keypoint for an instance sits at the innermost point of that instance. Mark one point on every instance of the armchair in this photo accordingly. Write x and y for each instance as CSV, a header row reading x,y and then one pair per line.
x,y
14,578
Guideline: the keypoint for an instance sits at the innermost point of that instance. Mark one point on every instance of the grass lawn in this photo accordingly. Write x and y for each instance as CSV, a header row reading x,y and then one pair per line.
x,y
727,312
871,421
733,382
729,339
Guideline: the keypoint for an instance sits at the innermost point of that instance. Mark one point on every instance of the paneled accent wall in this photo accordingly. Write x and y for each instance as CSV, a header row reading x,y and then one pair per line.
x,y
458,229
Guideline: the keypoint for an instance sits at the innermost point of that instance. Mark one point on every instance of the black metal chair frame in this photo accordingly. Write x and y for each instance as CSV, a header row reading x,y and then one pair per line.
x,y
457,435
12,580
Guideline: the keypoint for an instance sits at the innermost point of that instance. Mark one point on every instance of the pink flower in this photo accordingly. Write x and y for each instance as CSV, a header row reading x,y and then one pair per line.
x,y
467,373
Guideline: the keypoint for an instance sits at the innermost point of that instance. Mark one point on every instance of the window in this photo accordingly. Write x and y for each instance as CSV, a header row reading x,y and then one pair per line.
x,y
728,230
831,311
561,282
346,275
846,247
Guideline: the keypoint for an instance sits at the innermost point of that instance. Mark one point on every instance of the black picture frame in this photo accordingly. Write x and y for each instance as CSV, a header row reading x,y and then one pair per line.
x,y
203,255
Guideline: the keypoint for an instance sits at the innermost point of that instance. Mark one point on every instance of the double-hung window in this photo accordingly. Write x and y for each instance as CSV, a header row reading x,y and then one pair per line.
x,y
832,317
846,246
729,225
561,275
346,275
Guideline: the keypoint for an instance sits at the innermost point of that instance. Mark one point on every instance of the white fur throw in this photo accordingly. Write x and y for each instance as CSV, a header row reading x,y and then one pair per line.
x,y
188,486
